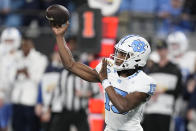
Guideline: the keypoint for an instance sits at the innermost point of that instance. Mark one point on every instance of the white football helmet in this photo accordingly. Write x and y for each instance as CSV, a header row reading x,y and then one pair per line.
x,y
11,39
177,43
137,51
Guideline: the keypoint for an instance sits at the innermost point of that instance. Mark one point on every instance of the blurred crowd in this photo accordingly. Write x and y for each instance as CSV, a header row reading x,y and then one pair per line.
x,y
172,15
23,12
38,94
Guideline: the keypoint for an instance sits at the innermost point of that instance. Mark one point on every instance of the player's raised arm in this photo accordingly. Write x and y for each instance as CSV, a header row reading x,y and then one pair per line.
x,y
81,70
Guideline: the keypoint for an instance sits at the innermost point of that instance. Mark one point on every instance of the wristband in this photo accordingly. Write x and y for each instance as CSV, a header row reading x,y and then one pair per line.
x,y
106,83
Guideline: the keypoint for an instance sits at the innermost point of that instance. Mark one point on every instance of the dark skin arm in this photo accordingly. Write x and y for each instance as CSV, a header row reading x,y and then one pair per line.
x,y
79,69
123,104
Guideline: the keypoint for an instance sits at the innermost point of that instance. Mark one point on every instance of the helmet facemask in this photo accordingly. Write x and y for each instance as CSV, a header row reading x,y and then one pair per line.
x,y
128,60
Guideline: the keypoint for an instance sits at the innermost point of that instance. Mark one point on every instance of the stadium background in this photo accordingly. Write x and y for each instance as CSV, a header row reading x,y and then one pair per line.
x,y
110,20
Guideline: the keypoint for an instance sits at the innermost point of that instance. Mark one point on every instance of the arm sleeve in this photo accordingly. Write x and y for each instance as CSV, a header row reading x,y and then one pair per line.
x,y
39,97
147,87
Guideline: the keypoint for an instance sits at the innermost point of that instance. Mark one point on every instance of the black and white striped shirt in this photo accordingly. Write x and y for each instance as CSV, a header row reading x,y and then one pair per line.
x,y
69,85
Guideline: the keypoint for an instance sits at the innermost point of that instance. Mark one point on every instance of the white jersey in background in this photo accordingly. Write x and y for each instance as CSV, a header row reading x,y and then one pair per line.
x,y
178,45
8,69
186,63
138,82
26,88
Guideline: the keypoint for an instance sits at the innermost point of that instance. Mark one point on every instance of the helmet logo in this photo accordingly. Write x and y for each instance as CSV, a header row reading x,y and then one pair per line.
x,y
138,46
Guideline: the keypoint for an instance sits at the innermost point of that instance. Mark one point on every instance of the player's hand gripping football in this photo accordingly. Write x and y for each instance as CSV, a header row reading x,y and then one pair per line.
x,y
60,30
103,71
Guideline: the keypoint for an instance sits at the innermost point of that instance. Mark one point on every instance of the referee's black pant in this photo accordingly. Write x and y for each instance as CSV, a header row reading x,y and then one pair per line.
x,y
156,122
63,121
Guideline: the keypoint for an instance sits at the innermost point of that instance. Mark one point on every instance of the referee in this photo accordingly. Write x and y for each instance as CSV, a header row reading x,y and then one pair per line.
x,y
74,93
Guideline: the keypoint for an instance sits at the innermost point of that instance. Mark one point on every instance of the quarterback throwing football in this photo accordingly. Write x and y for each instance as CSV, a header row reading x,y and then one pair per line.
x,y
127,87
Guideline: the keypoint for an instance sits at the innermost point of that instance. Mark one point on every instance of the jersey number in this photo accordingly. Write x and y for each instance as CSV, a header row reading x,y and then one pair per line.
x,y
107,101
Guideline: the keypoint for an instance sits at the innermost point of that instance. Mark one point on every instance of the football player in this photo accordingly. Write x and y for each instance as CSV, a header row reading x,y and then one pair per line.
x,y
9,53
127,87
178,45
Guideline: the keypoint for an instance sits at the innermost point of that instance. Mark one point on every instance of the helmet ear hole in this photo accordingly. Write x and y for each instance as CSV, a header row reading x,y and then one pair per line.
x,y
124,65
138,60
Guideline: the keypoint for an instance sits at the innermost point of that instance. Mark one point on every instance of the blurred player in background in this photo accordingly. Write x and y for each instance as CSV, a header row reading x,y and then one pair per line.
x,y
159,111
178,45
30,68
10,40
9,54
127,87
48,99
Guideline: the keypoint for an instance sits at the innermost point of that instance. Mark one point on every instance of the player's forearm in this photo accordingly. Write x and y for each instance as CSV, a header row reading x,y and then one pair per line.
x,y
117,100
77,68
65,53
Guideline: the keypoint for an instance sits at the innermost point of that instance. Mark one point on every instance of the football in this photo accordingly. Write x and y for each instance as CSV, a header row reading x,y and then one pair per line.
x,y
57,15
